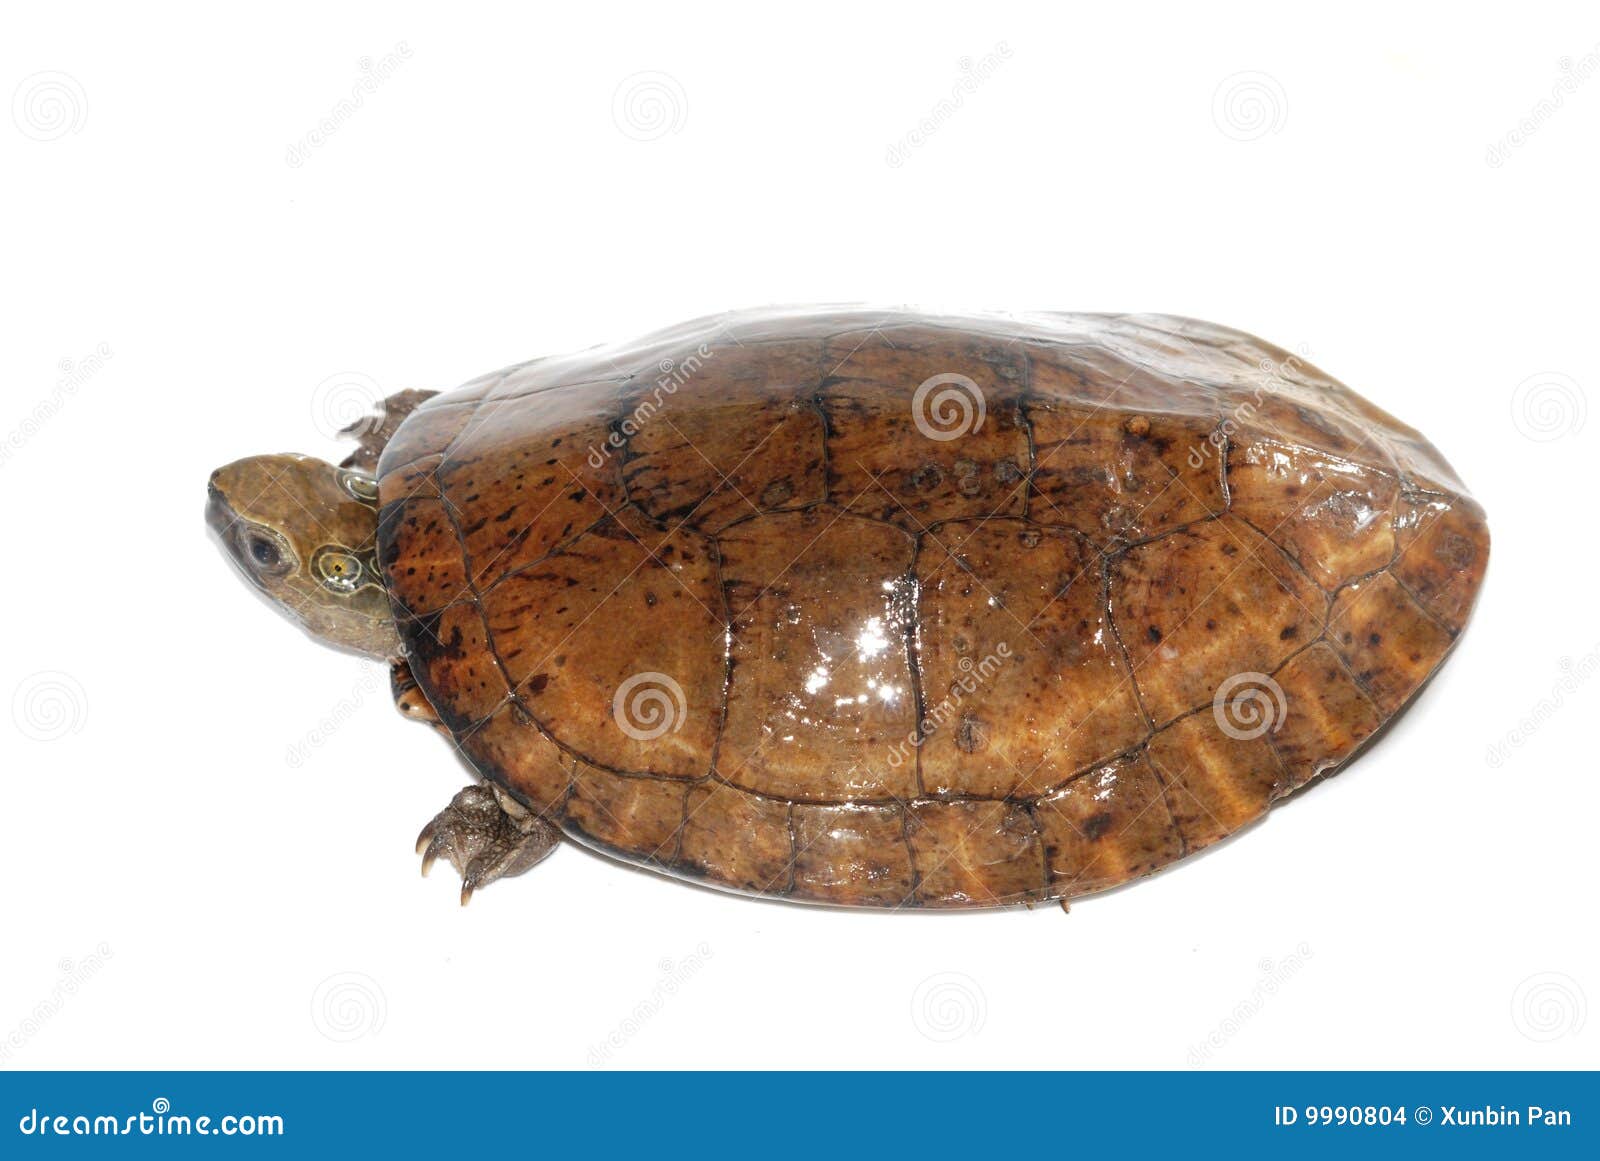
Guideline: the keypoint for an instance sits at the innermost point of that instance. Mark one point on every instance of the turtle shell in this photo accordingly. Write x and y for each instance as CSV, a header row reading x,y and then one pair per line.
x,y
887,609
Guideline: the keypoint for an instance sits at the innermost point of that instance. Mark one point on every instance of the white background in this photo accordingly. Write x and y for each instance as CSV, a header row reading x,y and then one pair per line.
x,y
175,291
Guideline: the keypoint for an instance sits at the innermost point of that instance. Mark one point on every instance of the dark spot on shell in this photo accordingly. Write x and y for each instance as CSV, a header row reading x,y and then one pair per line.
x,y
1153,633
927,477
1096,825
777,493
1289,632
970,735
1374,638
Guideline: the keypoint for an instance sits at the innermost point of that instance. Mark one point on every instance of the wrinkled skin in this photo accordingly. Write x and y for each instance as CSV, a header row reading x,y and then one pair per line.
x,y
889,610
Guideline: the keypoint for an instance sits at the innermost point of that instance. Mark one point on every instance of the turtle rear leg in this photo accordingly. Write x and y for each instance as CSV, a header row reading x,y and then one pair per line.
x,y
486,835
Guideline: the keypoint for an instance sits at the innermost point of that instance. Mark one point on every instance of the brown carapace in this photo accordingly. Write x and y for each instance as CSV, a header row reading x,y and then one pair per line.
x,y
874,608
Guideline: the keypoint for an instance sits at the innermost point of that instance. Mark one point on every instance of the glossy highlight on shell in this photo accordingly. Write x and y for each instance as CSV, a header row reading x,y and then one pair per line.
x,y
876,608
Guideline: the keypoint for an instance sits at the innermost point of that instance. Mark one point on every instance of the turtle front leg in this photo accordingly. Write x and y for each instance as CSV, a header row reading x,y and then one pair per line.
x,y
487,835
409,698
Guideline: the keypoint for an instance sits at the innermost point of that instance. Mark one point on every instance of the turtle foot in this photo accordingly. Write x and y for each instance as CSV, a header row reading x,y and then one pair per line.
x,y
486,836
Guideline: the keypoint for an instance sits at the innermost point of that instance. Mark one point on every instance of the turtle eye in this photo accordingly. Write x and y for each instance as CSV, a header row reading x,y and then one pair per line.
x,y
265,553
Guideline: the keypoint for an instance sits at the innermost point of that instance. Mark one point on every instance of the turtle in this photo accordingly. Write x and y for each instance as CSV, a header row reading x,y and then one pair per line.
x,y
878,608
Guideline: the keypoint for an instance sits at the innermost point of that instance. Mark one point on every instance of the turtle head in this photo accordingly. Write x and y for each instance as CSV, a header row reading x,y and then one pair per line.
x,y
305,533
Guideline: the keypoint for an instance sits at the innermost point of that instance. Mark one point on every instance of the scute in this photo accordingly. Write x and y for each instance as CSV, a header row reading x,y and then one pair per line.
x,y
886,609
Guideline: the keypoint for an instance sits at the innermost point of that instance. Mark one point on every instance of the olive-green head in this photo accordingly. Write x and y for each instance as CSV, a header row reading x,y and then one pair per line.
x,y
305,533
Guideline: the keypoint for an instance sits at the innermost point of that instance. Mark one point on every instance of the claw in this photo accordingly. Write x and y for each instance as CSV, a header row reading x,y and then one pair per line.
x,y
485,839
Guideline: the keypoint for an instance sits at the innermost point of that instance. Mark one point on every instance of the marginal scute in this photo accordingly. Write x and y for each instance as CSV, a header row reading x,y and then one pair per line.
x,y
1216,780
1106,827
1386,639
737,838
510,749
451,660
420,555
1323,717
716,602
852,856
1443,552
642,817
974,854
